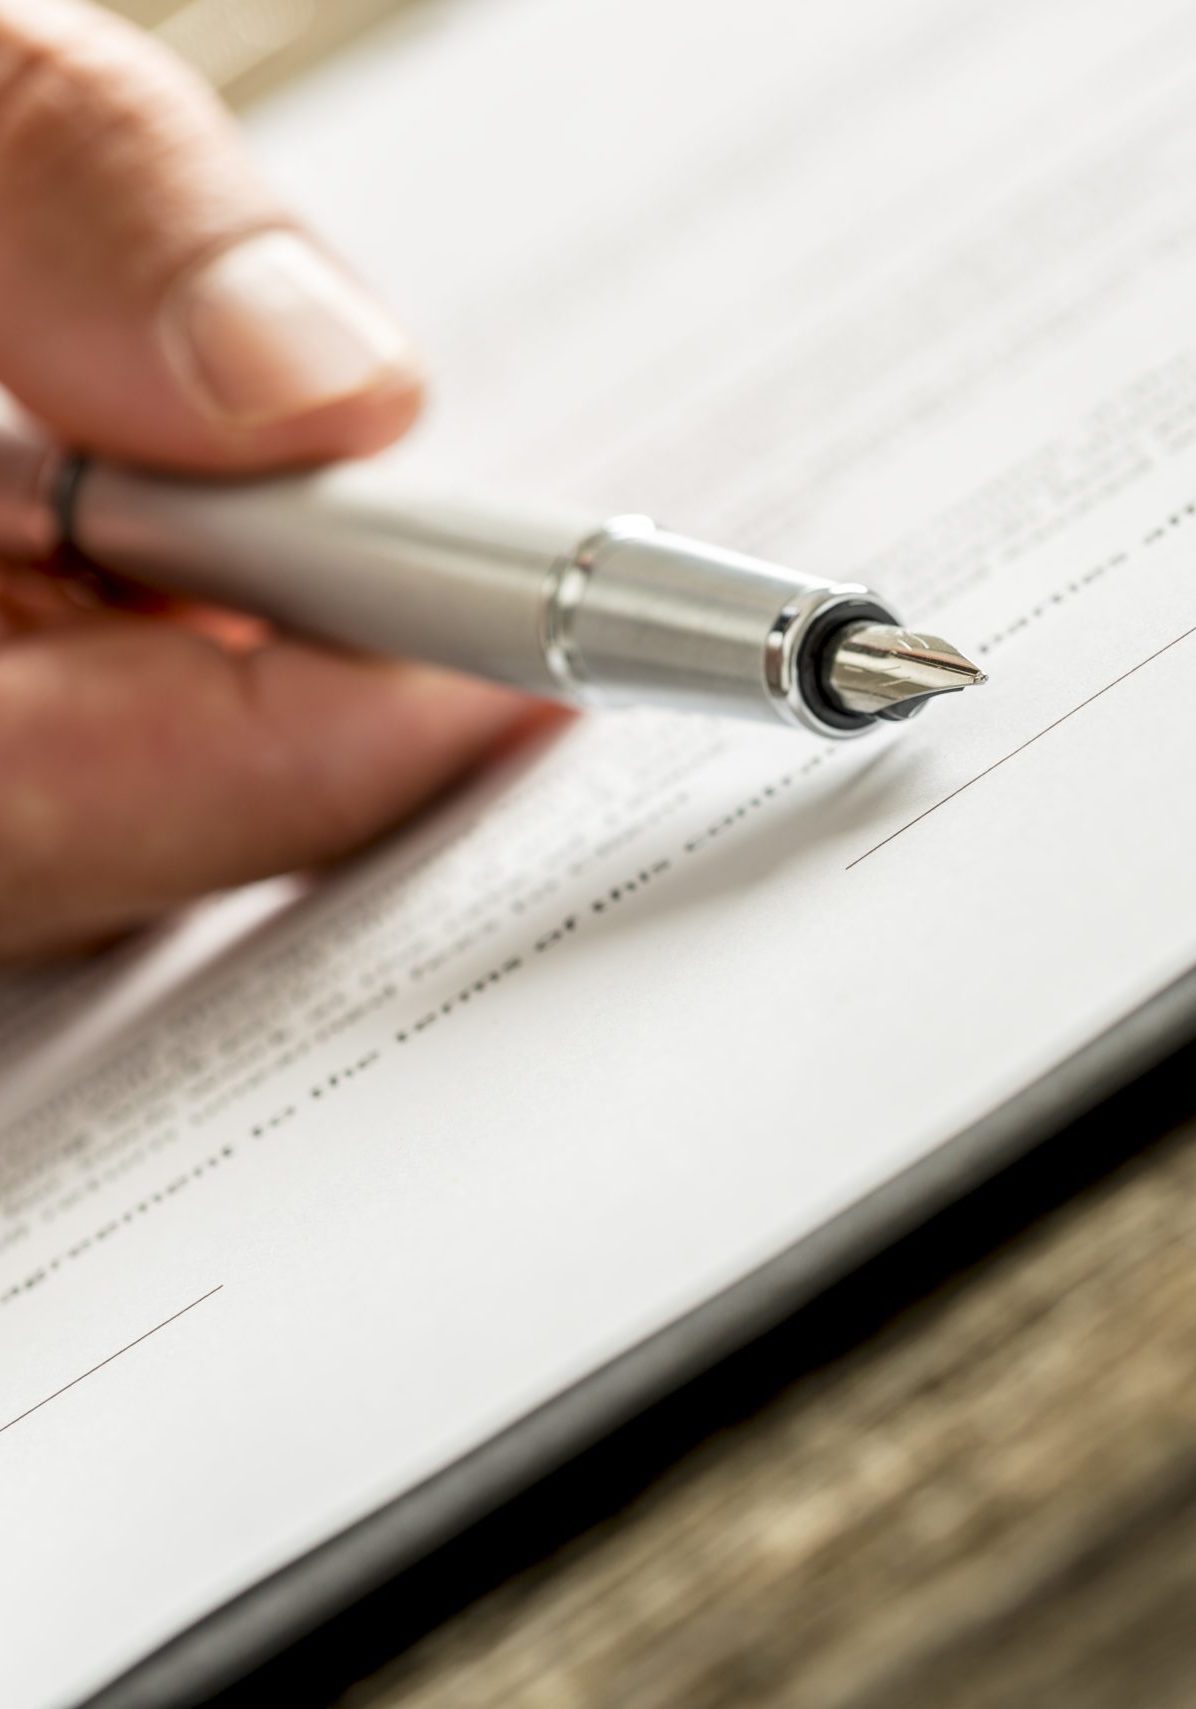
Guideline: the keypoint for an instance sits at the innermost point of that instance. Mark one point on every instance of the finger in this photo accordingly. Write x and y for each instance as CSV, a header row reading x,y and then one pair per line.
x,y
49,597
144,766
158,304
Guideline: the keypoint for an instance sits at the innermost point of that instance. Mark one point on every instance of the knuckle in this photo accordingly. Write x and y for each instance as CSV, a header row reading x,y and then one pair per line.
x,y
64,91
100,129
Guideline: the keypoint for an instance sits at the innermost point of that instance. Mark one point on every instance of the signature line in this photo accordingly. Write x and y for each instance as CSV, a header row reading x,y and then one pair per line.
x,y
1029,742
173,1318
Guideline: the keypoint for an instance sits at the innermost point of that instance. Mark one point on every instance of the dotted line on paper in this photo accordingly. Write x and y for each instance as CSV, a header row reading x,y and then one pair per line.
x,y
1059,597
1177,519
170,1190
762,798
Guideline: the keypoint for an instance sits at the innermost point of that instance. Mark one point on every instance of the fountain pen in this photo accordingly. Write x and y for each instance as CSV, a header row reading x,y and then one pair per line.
x,y
619,613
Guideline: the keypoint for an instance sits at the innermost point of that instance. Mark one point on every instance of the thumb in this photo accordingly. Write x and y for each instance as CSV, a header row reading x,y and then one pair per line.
x,y
157,304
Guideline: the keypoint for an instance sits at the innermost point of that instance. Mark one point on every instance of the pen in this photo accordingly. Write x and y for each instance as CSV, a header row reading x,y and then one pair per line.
x,y
618,612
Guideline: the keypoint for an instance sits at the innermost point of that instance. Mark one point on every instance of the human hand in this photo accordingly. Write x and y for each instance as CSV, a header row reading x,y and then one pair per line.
x,y
157,304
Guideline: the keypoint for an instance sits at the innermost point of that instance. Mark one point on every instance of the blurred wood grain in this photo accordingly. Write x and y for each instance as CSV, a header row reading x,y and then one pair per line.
x,y
992,1503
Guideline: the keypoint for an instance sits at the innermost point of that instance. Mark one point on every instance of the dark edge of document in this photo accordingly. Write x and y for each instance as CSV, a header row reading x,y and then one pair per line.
x,y
225,1648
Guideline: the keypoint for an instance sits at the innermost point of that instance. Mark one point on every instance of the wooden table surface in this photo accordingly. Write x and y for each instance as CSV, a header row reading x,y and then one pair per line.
x,y
990,1501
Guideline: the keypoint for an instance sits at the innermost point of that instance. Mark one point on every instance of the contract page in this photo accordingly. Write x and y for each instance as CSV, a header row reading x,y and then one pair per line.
x,y
311,1193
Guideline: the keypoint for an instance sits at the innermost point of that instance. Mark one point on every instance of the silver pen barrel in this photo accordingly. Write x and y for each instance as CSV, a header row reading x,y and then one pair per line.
x,y
621,613
334,555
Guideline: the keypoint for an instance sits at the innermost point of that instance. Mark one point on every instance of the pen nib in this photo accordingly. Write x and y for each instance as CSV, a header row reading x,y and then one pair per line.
x,y
887,672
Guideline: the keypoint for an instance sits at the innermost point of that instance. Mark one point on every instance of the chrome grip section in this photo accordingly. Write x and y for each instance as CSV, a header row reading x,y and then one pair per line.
x,y
639,615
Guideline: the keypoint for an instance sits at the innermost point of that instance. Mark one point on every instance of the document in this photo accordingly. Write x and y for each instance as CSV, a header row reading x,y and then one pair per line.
x,y
308,1194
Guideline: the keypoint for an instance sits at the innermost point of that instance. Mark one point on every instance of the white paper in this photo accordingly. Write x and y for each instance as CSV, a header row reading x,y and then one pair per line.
x,y
904,292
